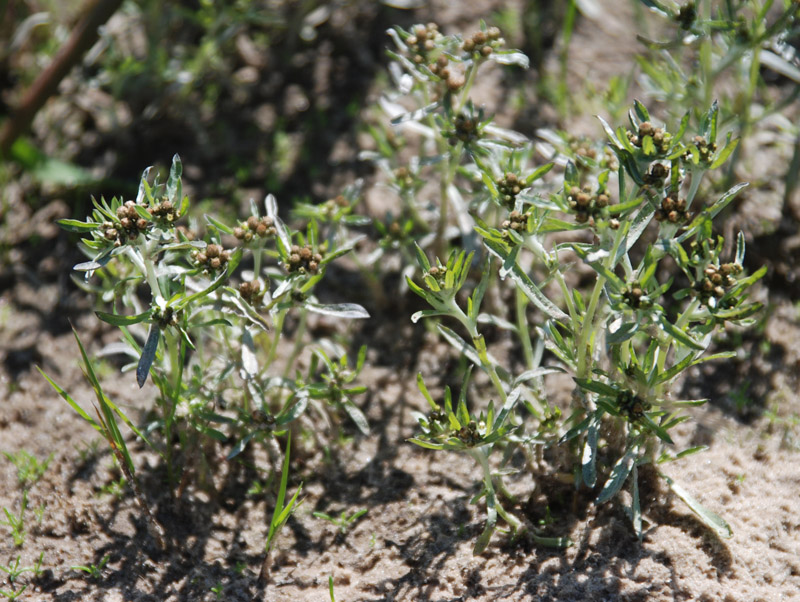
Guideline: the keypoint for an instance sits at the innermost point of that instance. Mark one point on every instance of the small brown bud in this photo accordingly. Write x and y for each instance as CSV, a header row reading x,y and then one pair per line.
x,y
215,263
213,250
486,50
455,81
238,232
252,222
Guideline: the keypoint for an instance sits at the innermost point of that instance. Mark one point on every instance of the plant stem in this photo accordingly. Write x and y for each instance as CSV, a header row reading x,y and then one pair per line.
x,y
522,327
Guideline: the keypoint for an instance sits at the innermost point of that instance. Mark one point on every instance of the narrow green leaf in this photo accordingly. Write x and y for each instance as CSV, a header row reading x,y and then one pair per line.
x,y
609,132
148,355
727,150
422,259
240,445
709,518
596,387
641,111
618,476
219,225
660,431
424,390
589,458
425,443
118,320
740,247
66,397
174,192
636,510
74,225
293,411
339,310
356,415
679,334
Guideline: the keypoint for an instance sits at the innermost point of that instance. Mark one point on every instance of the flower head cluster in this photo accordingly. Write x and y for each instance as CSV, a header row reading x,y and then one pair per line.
x,y
164,211
508,187
254,226
214,257
303,260
660,137
483,43
705,150
518,222
717,280
673,211
633,406
586,205
251,291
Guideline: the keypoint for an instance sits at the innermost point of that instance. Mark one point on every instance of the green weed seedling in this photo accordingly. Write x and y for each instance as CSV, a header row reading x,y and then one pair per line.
x,y
13,594
93,571
29,468
625,211
17,522
342,522
280,514
14,571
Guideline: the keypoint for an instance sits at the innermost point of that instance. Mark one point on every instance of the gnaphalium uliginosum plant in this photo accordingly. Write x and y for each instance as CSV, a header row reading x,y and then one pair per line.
x,y
211,347
625,341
